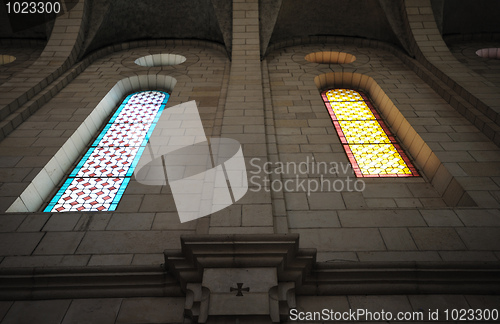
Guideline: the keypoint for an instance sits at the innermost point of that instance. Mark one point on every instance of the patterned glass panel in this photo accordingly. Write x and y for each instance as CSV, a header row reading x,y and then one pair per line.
x,y
99,180
363,131
370,146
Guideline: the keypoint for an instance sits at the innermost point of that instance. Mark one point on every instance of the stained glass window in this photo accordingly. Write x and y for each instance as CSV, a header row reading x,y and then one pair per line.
x,y
370,146
99,180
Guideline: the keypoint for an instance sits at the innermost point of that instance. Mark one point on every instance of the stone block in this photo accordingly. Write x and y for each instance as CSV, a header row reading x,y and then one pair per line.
x,y
468,256
380,202
393,304
386,190
158,203
354,200
33,223
74,260
480,238
110,260
151,310
132,221
325,201
437,239
59,243
437,302
423,190
398,239
313,219
11,222
94,222
483,301
442,217
148,259
62,222
296,201
399,256
341,239
380,218
32,261
242,230
318,303
37,311
19,243
111,242
82,311
408,202
478,218
171,221
257,215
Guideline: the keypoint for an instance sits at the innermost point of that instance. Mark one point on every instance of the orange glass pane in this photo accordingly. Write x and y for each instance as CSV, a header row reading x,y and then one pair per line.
x,y
370,146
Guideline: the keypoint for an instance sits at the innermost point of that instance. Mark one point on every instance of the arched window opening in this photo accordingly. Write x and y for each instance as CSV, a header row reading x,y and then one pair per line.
x,y
369,144
6,59
100,178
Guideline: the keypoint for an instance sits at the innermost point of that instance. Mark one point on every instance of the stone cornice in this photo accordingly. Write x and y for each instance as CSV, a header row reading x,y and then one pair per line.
x,y
293,265
350,278
86,282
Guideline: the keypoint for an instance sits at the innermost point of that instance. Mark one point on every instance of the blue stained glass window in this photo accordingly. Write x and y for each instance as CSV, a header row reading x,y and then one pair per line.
x,y
99,180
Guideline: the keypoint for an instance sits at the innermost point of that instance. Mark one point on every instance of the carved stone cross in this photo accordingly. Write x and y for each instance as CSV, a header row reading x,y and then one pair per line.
x,y
239,289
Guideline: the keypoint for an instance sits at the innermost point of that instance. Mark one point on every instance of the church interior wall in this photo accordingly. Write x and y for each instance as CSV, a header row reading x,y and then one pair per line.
x,y
447,216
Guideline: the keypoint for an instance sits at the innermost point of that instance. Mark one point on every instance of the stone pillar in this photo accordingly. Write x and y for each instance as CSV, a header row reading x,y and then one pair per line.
x,y
243,120
468,92
26,91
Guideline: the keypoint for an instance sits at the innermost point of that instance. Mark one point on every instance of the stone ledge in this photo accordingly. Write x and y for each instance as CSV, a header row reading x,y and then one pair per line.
x,y
86,282
322,279
403,278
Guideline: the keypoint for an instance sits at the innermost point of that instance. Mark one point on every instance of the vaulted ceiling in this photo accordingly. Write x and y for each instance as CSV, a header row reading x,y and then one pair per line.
x,y
116,21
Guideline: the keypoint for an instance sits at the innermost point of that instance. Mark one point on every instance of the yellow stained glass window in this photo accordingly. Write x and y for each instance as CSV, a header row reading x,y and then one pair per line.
x,y
370,146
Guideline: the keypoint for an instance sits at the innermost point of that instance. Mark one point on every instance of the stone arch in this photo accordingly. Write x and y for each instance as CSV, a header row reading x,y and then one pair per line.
x,y
425,159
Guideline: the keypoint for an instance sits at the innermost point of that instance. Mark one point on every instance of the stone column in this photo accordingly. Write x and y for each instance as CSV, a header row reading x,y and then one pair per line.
x,y
243,120
468,92
26,91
